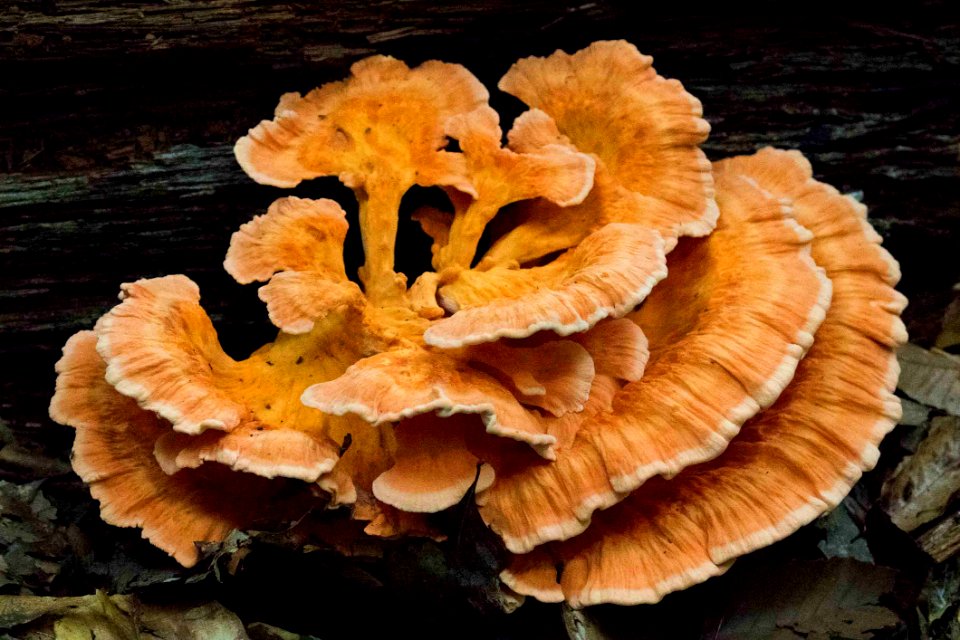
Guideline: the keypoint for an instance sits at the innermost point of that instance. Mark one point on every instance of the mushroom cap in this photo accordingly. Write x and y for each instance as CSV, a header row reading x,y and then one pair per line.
x,y
254,448
791,463
401,384
555,375
296,301
385,112
113,453
607,275
645,130
295,234
555,172
618,347
743,305
433,468
500,176
298,246
162,350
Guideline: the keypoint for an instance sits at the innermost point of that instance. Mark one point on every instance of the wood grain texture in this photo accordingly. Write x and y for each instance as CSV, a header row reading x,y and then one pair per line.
x,y
117,123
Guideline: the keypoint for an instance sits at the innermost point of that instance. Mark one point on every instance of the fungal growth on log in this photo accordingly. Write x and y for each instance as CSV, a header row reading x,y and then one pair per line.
x,y
655,365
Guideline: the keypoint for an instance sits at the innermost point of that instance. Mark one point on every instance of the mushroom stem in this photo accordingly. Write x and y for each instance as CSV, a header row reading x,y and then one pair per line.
x,y
379,212
465,233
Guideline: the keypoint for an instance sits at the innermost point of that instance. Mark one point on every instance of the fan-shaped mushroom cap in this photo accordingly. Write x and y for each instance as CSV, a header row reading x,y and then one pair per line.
x,y
255,448
385,113
618,349
381,132
153,339
433,468
501,176
396,385
296,301
555,375
608,101
607,275
162,350
788,465
298,246
295,234
744,304
113,452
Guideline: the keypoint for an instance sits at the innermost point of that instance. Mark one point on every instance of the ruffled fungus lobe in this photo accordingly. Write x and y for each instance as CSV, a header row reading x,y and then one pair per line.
x,y
298,247
380,132
791,463
114,452
501,176
657,364
644,130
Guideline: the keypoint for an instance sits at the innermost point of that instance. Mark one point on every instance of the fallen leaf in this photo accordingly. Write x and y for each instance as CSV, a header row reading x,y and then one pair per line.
x,y
842,536
914,413
32,544
924,483
20,610
930,377
950,335
261,631
819,600
208,621
117,618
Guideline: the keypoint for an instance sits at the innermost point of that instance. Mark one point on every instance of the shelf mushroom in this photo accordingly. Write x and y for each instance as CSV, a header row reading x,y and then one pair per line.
x,y
656,365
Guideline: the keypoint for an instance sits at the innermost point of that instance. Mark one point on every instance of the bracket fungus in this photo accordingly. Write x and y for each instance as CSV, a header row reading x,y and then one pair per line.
x,y
656,364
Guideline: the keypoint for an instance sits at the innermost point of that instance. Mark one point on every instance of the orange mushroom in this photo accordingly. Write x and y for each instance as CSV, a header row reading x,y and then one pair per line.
x,y
114,454
298,246
643,377
380,132
745,309
791,463
644,130
501,176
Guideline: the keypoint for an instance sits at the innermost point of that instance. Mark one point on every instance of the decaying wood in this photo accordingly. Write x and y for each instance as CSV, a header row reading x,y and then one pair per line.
x,y
942,541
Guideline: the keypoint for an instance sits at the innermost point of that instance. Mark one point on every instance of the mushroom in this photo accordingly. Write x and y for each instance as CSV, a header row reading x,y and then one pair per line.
x,y
298,247
380,132
501,176
741,314
644,131
790,463
114,454
658,364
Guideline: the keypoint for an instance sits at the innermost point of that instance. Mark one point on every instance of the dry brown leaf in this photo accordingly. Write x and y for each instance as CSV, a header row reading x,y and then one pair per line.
x,y
923,484
930,377
117,618
950,335
822,600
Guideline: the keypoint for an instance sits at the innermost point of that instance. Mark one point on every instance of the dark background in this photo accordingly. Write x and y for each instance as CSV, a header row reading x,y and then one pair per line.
x,y
117,122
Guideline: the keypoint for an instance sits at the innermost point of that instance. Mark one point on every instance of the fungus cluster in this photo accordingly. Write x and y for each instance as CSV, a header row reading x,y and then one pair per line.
x,y
656,364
